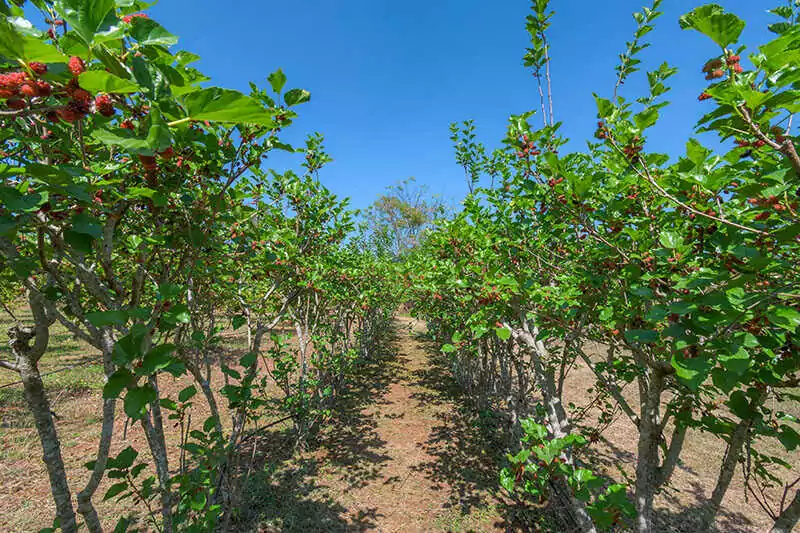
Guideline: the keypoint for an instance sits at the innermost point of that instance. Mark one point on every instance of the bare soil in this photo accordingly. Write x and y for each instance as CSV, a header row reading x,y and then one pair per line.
x,y
401,452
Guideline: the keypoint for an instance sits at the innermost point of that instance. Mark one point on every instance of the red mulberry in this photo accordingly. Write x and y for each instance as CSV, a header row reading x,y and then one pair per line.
x,y
76,66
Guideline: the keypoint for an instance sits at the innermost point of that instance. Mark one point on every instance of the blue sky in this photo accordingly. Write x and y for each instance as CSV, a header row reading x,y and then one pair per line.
x,y
387,78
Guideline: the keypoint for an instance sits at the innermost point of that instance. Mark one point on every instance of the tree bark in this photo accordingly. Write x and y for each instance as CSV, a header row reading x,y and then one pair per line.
x,y
51,447
85,506
789,517
709,511
647,471
556,415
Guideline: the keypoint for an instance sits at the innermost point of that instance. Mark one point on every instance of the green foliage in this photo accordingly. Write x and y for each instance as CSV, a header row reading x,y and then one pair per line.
x,y
135,212
684,268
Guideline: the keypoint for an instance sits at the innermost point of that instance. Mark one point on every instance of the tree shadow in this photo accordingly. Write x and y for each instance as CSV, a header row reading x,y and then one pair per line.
x,y
350,440
467,448
298,491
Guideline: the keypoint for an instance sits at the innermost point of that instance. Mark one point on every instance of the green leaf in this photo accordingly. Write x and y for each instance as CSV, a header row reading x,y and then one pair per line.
x,y
178,314
785,317
503,333
691,372
156,359
507,479
11,42
224,105
13,200
641,336
87,17
296,96
740,406
277,80
248,359
711,20
26,47
117,382
646,118
115,489
696,152
788,437
238,321
737,363
187,393
107,318
159,137
125,459
198,501
100,81
150,32
670,239
83,223
448,348
125,139
137,399
604,107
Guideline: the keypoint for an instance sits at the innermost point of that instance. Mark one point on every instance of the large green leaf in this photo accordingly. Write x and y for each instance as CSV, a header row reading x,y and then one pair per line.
x,y
156,359
116,383
26,47
670,239
691,371
224,105
124,459
87,17
115,489
150,32
107,318
785,317
125,139
712,21
137,399
100,81
158,137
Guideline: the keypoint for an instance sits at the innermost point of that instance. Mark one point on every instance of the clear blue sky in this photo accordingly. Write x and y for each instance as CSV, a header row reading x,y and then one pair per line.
x,y
387,78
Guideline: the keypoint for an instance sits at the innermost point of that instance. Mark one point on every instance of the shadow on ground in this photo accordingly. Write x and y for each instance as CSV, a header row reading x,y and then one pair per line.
x,y
467,447
301,492
468,450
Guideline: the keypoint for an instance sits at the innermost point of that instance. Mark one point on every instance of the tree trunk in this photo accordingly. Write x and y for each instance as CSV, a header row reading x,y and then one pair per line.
x,y
85,506
40,408
789,517
709,511
556,415
647,471
154,431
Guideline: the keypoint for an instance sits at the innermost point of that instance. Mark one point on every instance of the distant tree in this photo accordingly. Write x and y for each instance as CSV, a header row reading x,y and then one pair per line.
x,y
399,218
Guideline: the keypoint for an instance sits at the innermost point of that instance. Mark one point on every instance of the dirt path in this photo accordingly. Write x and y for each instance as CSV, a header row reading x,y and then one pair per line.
x,y
399,457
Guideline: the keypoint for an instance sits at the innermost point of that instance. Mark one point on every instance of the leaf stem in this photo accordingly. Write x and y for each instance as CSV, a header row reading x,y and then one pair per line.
x,y
179,121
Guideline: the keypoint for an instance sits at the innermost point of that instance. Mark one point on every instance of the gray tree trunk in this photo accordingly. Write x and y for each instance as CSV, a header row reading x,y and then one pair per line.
x,y
789,517
51,447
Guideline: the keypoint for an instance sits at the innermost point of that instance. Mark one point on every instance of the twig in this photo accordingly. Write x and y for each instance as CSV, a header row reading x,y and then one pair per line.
x,y
85,363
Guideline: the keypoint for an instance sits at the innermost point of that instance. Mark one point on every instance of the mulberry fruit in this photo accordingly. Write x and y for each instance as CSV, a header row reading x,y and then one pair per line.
x,y
127,19
76,66
29,89
16,103
104,105
37,68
